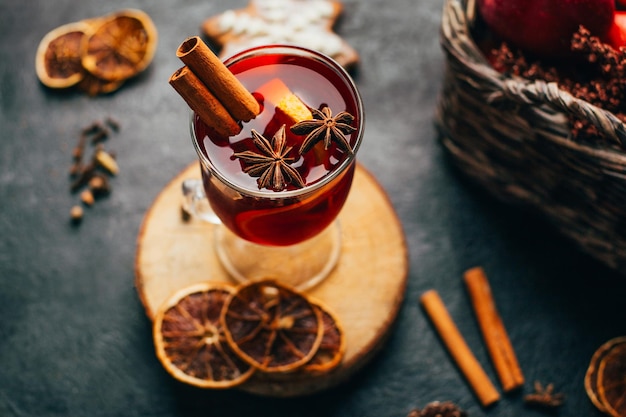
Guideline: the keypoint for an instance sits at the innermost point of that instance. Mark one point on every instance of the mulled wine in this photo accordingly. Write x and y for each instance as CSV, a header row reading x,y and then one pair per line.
x,y
246,201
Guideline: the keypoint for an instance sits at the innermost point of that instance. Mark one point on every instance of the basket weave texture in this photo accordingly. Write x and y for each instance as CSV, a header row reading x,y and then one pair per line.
x,y
512,136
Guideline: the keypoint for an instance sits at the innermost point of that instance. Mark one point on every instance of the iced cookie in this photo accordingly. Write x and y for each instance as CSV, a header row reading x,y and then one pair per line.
x,y
306,23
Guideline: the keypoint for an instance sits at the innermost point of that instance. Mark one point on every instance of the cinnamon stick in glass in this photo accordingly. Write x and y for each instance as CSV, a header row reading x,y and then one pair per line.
x,y
238,101
494,333
203,102
458,348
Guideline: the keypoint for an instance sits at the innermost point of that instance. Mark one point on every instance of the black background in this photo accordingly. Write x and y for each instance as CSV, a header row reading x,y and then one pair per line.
x,y
74,340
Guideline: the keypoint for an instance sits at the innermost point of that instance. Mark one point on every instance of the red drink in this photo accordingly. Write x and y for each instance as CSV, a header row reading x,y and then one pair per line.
x,y
284,217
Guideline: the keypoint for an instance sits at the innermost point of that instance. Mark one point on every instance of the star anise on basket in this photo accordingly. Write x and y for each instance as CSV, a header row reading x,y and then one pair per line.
x,y
271,163
325,127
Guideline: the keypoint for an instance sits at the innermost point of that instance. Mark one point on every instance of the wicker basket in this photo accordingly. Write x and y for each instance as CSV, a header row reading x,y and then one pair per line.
x,y
512,136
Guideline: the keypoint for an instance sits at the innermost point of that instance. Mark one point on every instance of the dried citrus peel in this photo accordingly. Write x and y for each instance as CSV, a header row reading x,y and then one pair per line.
x,y
605,379
612,380
125,44
333,345
189,338
272,327
215,335
120,47
58,61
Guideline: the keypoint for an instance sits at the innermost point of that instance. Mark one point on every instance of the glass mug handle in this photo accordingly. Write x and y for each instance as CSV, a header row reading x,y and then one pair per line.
x,y
195,201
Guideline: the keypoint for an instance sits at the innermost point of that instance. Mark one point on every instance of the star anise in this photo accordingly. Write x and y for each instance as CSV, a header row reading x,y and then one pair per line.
x,y
439,409
545,397
325,127
271,164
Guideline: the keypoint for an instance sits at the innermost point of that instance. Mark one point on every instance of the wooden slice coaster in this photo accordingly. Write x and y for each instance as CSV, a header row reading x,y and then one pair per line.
x,y
365,290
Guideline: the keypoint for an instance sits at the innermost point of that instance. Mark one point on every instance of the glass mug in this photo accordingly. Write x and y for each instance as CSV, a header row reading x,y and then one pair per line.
x,y
292,235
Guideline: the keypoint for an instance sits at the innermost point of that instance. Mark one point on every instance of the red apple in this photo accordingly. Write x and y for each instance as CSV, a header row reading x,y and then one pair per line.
x,y
617,33
545,27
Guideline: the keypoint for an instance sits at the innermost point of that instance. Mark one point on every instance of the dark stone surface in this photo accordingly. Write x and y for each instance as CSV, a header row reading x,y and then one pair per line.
x,y
74,340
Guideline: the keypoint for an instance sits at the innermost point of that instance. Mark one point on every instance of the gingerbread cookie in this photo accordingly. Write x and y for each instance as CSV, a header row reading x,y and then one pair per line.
x,y
306,23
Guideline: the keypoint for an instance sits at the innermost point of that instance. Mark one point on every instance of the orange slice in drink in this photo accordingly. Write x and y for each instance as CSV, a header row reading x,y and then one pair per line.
x,y
278,94
58,59
121,46
272,327
190,342
333,345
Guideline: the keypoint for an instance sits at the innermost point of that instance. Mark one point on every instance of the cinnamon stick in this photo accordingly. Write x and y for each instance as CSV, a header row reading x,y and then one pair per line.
x,y
238,101
458,348
203,102
494,333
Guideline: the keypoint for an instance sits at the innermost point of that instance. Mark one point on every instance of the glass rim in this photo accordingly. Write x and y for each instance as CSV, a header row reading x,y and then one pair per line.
x,y
343,166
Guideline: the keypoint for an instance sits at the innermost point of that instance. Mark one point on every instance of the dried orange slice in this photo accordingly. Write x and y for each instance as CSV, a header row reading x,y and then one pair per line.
x,y
333,345
189,338
612,380
121,46
592,386
272,327
58,59
94,86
